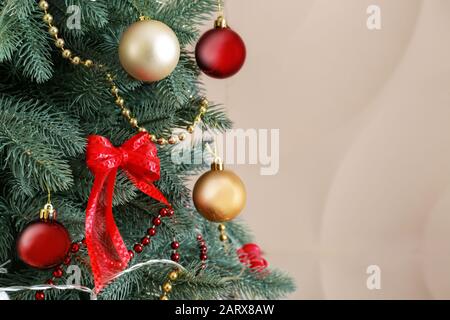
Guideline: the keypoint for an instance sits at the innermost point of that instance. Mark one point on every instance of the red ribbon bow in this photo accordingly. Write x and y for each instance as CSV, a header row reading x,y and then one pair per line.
x,y
138,158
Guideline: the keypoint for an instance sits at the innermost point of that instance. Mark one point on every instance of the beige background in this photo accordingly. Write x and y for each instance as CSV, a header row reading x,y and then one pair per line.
x,y
365,142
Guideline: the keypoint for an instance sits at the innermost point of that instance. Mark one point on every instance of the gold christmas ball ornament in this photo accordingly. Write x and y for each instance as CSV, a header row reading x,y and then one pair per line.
x,y
219,195
149,50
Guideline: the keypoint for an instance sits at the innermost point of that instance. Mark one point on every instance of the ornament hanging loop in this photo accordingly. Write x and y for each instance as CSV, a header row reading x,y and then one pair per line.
x,y
217,164
47,212
220,22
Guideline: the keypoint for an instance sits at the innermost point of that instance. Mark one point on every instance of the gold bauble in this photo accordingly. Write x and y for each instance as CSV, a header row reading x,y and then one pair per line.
x,y
149,50
219,195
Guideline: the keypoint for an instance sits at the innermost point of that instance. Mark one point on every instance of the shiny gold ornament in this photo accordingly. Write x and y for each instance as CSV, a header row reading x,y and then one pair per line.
x,y
88,63
223,237
173,275
149,50
221,227
219,195
182,136
190,129
164,297
167,287
141,129
114,90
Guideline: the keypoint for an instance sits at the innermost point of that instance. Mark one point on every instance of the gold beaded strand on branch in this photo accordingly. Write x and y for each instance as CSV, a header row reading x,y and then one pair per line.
x,y
167,286
119,100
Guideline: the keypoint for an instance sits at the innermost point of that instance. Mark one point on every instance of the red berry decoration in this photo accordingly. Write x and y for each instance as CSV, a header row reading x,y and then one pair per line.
x,y
145,241
151,231
57,273
43,244
163,212
39,295
75,247
175,257
67,260
220,52
138,248
156,221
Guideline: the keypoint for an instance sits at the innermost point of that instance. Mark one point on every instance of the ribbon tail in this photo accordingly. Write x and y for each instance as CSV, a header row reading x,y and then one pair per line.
x,y
107,251
148,188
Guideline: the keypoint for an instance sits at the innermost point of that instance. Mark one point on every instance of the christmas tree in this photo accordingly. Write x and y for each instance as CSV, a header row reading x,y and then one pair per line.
x,y
63,80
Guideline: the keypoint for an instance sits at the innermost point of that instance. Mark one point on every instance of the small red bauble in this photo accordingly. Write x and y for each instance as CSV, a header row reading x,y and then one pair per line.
x,y
220,52
163,212
138,247
151,231
39,295
43,244
58,273
156,221
75,247
175,245
175,257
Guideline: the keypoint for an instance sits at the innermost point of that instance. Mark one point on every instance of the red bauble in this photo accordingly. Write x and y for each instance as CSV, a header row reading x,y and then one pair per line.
x,y
220,52
43,244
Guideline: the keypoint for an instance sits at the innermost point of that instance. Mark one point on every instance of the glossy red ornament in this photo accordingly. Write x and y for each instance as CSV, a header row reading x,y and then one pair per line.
x,y
220,52
250,255
39,295
43,244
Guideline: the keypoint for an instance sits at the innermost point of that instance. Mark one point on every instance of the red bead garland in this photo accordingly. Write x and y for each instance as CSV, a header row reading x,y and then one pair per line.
x,y
203,250
145,241
175,256
138,248
58,272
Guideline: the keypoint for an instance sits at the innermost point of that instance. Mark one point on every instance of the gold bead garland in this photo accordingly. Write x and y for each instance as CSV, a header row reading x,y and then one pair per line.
x,y
120,102
223,235
167,286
